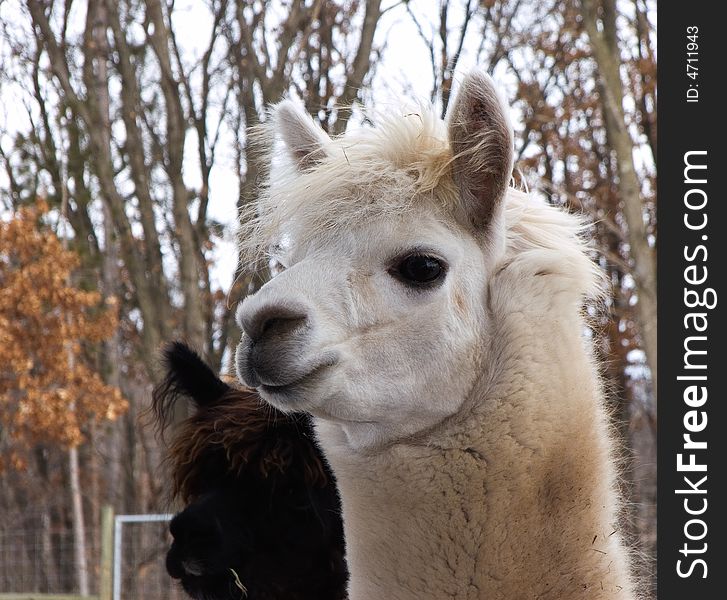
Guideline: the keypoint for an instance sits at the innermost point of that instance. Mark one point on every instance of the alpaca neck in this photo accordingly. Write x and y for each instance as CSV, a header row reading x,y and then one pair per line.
x,y
513,499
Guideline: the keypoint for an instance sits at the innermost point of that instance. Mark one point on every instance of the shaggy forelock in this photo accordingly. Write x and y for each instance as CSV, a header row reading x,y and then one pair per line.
x,y
365,174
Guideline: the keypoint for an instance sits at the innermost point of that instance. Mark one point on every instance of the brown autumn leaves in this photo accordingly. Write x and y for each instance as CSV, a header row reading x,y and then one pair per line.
x,y
49,390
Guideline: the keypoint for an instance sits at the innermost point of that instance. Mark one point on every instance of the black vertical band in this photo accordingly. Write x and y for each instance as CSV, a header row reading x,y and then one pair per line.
x,y
692,262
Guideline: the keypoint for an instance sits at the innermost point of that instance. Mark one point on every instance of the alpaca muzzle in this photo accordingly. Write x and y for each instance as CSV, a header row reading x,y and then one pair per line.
x,y
274,351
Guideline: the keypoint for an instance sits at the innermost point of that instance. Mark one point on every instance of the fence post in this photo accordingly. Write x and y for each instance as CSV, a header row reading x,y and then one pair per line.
x,y
105,589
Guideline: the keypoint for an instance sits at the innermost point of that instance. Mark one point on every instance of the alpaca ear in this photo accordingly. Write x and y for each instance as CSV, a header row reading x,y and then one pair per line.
x,y
482,144
305,140
188,376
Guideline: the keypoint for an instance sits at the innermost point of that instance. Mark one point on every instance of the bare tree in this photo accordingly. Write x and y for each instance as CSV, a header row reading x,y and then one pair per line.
x,y
607,54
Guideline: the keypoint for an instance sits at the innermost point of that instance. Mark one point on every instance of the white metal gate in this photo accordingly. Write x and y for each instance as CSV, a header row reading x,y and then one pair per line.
x,y
120,521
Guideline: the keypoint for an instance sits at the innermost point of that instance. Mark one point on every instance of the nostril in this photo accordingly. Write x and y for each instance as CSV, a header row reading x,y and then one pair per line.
x,y
281,326
272,321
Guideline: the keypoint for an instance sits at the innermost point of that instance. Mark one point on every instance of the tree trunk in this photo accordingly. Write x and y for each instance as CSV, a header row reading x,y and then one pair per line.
x,y
91,112
361,64
130,96
176,128
79,525
606,53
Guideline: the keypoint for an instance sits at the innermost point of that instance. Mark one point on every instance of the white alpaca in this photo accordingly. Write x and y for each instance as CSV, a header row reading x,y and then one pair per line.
x,y
430,318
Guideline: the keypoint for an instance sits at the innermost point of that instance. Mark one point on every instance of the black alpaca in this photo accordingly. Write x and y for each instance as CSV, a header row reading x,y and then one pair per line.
x,y
262,518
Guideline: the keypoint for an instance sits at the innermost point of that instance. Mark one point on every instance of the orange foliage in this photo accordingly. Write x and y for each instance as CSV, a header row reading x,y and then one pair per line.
x,y
48,391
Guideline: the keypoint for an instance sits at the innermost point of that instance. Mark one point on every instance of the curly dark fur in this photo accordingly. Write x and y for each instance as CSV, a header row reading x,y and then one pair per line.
x,y
262,506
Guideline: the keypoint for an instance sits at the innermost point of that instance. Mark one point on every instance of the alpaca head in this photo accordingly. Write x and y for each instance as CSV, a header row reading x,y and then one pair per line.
x,y
388,237
261,506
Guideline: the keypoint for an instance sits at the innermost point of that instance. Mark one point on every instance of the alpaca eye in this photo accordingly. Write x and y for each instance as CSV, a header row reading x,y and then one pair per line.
x,y
419,269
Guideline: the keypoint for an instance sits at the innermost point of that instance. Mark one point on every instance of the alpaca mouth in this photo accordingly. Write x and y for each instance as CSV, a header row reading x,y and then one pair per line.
x,y
300,384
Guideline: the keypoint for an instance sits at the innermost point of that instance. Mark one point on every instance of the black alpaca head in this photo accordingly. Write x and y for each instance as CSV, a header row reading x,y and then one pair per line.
x,y
262,518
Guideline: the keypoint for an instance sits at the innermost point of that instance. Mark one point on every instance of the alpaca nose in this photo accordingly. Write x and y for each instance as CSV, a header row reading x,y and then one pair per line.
x,y
276,335
273,321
